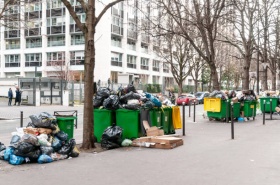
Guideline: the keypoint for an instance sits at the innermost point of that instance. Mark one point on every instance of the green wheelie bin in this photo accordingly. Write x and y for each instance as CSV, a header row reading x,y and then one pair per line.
x,y
250,108
166,120
103,118
129,121
155,116
66,124
273,101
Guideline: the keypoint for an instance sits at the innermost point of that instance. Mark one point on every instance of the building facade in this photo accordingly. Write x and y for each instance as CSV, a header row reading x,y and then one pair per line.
x,y
41,39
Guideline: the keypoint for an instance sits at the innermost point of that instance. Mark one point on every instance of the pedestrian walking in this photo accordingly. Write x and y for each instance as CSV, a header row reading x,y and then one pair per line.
x,y
18,97
10,96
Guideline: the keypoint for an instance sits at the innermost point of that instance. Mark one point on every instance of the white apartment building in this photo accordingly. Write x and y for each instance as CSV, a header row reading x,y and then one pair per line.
x,y
49,43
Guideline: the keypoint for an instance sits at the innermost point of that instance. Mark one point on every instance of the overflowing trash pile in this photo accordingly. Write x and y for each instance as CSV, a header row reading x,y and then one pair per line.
x,y
127,98
40,141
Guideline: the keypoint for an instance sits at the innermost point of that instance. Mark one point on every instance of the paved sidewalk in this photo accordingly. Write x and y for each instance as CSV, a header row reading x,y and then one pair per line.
x,y
208,156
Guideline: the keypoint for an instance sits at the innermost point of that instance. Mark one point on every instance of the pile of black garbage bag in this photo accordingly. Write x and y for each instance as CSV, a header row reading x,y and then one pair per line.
x,y
218,94
124,98
41,141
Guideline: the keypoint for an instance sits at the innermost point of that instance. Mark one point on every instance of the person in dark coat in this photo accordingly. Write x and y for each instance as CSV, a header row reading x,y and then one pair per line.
x,y
18,97
10,96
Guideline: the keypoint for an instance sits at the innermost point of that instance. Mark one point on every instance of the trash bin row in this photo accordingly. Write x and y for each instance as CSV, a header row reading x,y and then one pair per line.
x,y
129,121
220,109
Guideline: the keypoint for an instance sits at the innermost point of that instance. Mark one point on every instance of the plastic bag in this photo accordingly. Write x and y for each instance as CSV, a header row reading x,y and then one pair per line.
x,y
56,144
29,138
9,151
62,136
103,92
43,140
111,137
16,160
131,88
57,156
44,159
111,103
68,147
43,120
97,101
2,154
2,146
129,96
33,154
23,148
132,106
127,142
75,152
15,140
154,100
46,150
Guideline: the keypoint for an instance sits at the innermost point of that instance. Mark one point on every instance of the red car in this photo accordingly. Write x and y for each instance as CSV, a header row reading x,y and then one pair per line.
x,y
187,98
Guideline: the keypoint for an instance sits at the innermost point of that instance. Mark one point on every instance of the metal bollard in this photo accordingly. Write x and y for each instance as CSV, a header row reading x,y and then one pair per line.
x,y
264,112
190,108
227,112
194,111
232,121
183,118
270,109
21,118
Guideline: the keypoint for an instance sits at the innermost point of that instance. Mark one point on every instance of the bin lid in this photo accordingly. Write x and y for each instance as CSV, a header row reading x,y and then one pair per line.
x,y
66,118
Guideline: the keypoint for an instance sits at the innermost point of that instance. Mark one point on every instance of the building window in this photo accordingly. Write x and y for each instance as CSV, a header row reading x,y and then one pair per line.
x,y
116,59
144,48
33,59
131,61
12,44
116,41
155,65
82,18
56,41
145,63
12,60
77,40
77,57
165,68
54,4
155,79
56,58
34,43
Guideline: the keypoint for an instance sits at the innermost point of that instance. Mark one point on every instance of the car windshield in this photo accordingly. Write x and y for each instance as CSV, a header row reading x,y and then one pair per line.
x,y
198,94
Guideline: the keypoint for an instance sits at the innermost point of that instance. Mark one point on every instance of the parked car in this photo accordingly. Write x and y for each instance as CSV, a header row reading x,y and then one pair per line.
x,y
200,96
187,98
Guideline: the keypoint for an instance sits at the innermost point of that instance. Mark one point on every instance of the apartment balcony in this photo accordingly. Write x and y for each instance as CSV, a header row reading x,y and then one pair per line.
x,y
77,62
145,38
144,50
116,43
56,43
56,12
12,46
12,64
116,30
32,64
156,69
56,30
56,63
116,63
131,66
74,28
12,34
33,15
77,41
131,47
144,67
32,32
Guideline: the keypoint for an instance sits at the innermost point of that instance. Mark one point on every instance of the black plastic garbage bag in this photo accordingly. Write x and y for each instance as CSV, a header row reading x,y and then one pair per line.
x,y
103,92
129,96
33,155
47,150
43,120
97,101
2,146
23,148
30,138
130,87
112,137
56,144
2,154
112,102
148,105
132,106
62,136
15,140
68,147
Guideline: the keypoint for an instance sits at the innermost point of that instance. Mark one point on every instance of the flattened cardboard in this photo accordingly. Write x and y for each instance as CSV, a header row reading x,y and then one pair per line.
x,y
166,140
168,146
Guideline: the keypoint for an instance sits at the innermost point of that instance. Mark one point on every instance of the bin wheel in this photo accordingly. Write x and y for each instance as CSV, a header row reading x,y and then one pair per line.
x,y
211,119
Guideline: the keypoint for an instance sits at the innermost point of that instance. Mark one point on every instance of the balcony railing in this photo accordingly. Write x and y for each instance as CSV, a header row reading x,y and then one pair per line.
x,y
13,46
31,64
34,45
116,63
116,43
131,47
77,62
57,63
155,68
145,67
131,66
77,41
56,43
144,50
13,64
132,34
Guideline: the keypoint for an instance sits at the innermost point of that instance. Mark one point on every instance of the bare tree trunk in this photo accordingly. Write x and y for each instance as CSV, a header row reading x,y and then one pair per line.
x,y
273,74
180,88
246,75
264,80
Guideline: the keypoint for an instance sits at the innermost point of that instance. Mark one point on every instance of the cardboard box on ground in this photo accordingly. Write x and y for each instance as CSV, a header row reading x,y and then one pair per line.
x,y
156,139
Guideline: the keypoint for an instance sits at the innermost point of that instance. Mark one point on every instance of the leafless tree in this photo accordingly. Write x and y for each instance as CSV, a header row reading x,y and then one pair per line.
x,y
89,30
